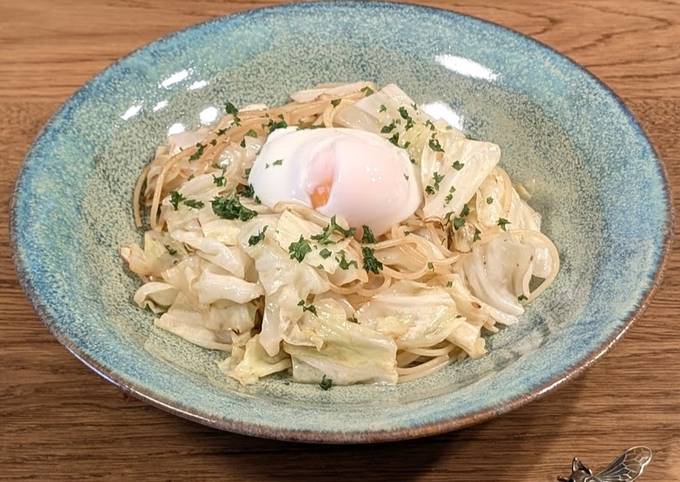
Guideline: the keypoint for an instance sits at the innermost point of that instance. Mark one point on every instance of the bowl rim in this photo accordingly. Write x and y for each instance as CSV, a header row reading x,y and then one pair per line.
x,y
339,437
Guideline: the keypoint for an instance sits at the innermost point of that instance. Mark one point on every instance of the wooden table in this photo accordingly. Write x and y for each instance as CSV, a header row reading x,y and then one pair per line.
x,y
58,421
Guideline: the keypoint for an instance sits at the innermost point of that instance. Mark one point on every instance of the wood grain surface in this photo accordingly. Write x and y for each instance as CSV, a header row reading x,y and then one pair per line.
x,y
58,421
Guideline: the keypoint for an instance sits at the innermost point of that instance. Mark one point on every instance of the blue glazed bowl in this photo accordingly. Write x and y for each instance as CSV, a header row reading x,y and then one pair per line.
x,y
599,185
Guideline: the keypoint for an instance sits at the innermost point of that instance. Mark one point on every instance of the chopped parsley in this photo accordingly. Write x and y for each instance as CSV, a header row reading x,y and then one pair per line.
x,y
449,196
213,142
247,191
299,249
243,143
437,178
430,266
277,162
502,222
219,181
522,298
326,383
477,236
193,203
367,91
231,109
311,308
367,237
276,125
251,133
435,145
388,128
465,211
221,132
406,116
429,190
171,250
371,263
176,198
336,102
394,139
325,253
256,238
383,108
231,208
429,124
343,263
333,227
199,152
458,223
449,284
457,165
489,200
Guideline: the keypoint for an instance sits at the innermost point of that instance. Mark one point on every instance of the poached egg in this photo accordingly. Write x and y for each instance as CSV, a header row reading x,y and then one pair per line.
x,y
354,174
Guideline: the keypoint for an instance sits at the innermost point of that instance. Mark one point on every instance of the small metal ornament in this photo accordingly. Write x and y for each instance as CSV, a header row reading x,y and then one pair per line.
x,y
627,467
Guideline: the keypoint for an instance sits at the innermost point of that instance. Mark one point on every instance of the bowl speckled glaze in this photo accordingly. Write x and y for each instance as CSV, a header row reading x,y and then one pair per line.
x,y
599,186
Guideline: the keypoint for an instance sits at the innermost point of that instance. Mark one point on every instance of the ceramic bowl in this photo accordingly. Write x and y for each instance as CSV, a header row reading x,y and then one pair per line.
x,y
598,184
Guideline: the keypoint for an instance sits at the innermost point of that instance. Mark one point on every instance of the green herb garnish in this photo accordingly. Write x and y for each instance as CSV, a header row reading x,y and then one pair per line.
x,y
325,253
477,236
276,125
367,237
324,236
199,152
343,263
437,178
371,263
176,198
171,250
522,298
435,145
336,102
465,211
277,162
256,238
311,308
457,165
449,196
299,249
231,109
219,181
388,128
231,208
458,223
251,133
489,200
193,203
367,91
383,108
326,383
246,191
502,222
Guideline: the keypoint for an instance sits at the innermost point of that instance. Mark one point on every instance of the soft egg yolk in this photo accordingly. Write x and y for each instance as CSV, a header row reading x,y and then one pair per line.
x,y
321,174
320,194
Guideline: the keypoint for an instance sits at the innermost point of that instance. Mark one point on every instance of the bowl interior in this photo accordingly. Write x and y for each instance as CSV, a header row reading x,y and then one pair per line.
x,y
598,186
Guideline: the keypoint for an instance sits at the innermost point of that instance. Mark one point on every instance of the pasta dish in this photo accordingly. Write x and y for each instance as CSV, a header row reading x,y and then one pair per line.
x,y
345,237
